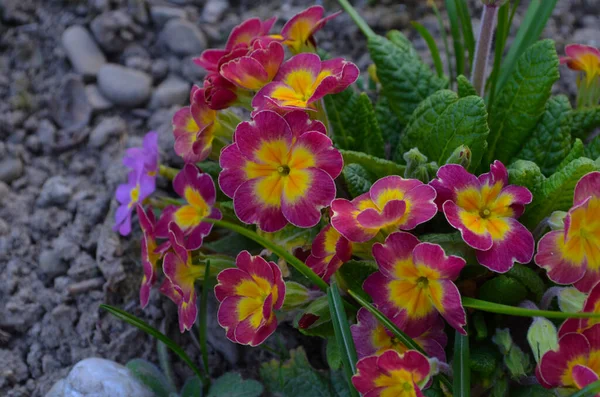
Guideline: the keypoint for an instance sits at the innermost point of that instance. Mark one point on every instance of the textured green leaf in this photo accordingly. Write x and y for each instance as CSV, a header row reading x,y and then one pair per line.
x,y
374,165
444,122
526,173
577,151
192,387
339,385
592,149
368,136
504,290
334,356
465,88
401,41
406,80
294,378
151,376
522,100
529,278
531,391
483,360
390,126
556,192
584,121
358,180
340,108
232,385
550,141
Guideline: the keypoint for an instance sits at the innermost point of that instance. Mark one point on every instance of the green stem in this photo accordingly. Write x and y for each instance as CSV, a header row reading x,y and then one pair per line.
x,y
203,321
358,20
590,390
167,172
519,311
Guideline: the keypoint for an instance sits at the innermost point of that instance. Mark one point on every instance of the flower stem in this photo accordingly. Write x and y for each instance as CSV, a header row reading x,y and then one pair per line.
x,y
168,172
518,311
202,326
484,44
358,20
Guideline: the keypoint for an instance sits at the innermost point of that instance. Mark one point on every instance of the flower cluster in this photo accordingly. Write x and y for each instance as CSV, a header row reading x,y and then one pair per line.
x,y
585,59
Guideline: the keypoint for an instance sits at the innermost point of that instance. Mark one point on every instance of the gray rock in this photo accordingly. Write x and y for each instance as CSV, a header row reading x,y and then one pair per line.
x,y
10,169
124,86
109,127
183,37
50,263
159,69
113,30
56,191
172,91
139,63
214,9
46,133
84,54
96,99
588,36
97,377
12,368
161,14
72,110
192,72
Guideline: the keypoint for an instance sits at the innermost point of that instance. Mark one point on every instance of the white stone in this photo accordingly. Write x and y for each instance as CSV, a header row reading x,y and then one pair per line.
x,y
124,86
97,377
84,54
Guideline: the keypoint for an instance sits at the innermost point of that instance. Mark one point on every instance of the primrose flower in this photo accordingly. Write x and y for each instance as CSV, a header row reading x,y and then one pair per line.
x,y
180,276
280,170
255,70
298,33
303,80
575,364
485,211
591,305
392,374
151,252
572,255
392,203
330,250
194,128
583,58
415,281
198,190
139,186
372,338
249,296
148,154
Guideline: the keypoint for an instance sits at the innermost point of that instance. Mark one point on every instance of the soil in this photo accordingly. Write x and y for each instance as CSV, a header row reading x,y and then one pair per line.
x,y
60,164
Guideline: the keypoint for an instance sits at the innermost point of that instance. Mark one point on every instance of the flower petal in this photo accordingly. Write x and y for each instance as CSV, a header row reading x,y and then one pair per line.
x,y
518,245
552,256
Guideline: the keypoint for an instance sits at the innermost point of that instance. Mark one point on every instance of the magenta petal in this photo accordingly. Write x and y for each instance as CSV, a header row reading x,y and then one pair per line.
x,y
421,208
265,331
433,256
497,174
266,126
583,376
517,246
233,175
392,212
188,312
344,221
554,363
588,185
327,157
588,281
451,306
311,63
305,211
398,247
245,72
227,315
300,122
450,179
249,209
549,256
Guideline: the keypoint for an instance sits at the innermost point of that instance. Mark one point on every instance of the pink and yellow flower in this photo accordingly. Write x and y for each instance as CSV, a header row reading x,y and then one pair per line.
x,y
485,211
330,250
415,281
198,190
572,255
591,305
583,58
391,204
249,296
372,338
575,364
255,70
280,170
298,33
303,80
392,374
180,276
194,128
151,252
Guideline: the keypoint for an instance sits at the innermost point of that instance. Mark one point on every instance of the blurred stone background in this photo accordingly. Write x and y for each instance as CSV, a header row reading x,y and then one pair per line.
x,y
82,80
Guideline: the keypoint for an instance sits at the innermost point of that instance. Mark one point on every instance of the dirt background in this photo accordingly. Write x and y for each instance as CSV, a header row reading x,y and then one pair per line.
x,y
60,151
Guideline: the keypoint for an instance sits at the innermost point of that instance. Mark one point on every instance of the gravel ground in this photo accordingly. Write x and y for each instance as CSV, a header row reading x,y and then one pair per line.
x,y
80,81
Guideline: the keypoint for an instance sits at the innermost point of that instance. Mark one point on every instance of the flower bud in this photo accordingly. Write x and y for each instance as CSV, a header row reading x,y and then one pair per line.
x,y
417,166
570,300
296,295
542,337
556,221
461,156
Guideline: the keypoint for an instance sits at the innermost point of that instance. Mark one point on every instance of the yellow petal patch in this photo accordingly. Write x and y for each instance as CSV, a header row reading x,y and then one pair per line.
x,y
408,295
583,237
269,190
388,195
331,238
134,196
192,214
273,152
250,307
296,185
566,379
301,158
301,82
396,383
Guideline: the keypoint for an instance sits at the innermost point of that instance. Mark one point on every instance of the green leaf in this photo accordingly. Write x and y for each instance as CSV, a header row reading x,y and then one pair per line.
x,y
318,312
339,385
483,360
333,354
455,30
584,121
521,102
339,112
590,390
467,28
294,378
465,88
342,334
517,362
354,273
529,278
550,141
532,391
577,151
138,323
406,81
443,122
376,166
203,320
232,385
556,192
504,290
400,40
151,376
525,173
231,244
592,150
433,49
388,124
460,365
192,387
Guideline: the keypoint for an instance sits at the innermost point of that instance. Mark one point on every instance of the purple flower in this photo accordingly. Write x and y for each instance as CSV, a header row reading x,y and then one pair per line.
x,y
148,154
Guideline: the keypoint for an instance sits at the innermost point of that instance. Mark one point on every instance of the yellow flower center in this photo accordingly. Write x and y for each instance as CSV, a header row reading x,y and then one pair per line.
x,y
283,170
134,195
